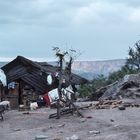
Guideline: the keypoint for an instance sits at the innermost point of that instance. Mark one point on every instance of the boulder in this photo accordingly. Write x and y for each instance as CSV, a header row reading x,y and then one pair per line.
x,y
128,87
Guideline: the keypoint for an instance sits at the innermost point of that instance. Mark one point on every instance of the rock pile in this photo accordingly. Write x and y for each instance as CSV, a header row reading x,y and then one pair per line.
x,y
126,88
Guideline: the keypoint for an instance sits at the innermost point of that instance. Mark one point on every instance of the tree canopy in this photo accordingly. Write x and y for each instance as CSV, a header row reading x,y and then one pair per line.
x,y
133,60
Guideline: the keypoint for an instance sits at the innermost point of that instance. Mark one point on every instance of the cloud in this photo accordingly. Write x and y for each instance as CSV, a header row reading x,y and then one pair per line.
x,y
84,24
107,12
135,15
66,13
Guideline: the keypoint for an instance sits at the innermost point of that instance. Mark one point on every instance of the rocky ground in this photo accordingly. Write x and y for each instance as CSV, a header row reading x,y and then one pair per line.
x,y
104,124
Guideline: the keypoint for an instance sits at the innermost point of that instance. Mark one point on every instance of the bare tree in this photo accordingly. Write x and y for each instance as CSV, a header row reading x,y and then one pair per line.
x,y
61,56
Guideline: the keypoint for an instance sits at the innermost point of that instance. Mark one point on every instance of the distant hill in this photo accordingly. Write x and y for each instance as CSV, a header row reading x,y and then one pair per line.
x,y
90,69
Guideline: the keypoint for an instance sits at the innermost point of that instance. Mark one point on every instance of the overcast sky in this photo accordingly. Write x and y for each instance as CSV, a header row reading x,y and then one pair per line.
x,y
99,29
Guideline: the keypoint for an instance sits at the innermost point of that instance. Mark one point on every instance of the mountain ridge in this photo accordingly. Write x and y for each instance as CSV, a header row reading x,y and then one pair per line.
x,y
90,69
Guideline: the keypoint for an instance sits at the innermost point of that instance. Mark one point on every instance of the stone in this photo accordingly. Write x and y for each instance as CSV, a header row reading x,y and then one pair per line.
x,y
41,137
94,132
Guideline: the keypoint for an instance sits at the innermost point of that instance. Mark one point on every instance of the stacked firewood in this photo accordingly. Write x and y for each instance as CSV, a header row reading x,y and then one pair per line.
x,y
108,104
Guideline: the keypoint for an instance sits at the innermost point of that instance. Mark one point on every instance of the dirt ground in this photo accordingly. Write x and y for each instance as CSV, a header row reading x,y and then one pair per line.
x,y
107,124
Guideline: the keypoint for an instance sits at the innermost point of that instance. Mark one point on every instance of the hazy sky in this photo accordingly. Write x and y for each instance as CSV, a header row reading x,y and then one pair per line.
x,y
99,29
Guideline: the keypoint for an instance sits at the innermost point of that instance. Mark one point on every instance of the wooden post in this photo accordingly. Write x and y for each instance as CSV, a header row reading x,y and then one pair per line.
x,y
61,56
68,72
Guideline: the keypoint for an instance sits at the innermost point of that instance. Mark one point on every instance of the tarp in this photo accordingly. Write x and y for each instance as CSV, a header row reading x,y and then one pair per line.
x,y
3,78
53,95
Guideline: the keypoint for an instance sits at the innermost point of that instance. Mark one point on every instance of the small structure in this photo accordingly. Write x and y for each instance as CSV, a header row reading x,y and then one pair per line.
x,y
28,79
3,83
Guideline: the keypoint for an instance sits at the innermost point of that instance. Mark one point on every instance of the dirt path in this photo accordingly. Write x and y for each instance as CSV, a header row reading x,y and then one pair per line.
x,y
111,124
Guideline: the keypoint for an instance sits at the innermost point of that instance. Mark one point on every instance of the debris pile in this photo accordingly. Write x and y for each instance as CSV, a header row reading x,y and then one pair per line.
x,y
126,88
107,104
110,104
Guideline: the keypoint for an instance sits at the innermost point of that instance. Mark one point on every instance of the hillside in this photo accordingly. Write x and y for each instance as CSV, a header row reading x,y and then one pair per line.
x,y
90,69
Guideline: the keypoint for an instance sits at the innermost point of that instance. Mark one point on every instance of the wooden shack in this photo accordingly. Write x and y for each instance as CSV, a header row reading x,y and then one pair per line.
x,y
30,79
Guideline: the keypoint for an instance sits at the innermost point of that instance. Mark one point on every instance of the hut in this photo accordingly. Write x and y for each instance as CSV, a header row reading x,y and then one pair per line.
x,y
27,80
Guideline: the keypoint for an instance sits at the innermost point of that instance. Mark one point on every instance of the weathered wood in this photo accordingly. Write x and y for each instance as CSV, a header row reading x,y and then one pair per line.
x,y
67,111
2,109
35,73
